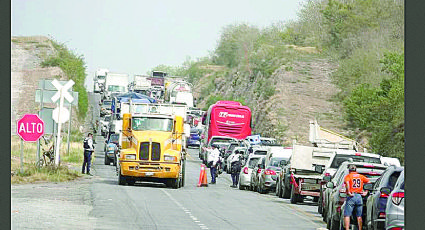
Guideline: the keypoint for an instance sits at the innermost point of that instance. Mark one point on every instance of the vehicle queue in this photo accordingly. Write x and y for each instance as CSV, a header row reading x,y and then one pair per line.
x,y
266,166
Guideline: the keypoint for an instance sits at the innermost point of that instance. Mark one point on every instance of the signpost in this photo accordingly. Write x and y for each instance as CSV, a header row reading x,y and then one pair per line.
x,y
30,128
62,113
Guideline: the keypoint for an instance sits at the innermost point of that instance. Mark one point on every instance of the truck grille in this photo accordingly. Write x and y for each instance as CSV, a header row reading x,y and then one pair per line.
x,y
144,151
156,151
229,129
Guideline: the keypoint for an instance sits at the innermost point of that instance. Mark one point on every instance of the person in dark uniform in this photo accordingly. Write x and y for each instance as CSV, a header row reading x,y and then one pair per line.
x,y
88,150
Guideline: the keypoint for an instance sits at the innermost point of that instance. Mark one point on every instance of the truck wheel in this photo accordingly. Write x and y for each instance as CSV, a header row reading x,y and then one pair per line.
x,y
294,197
183,174
316,199
122,180
131,182
175,183
115,161
277,192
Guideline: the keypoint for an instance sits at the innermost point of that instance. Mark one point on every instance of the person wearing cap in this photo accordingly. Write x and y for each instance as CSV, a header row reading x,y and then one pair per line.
x,y
213,158
354,185
88,150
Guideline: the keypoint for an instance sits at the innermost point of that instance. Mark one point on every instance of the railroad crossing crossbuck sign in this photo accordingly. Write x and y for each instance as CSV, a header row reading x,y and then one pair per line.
x,y
61,114
30,127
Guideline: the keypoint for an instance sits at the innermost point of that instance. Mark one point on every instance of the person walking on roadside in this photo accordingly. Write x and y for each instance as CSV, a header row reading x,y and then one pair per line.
x,y
235,164
213,158
88,150
354,185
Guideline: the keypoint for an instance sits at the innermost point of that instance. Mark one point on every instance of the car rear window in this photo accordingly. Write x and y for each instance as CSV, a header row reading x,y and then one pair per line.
x,y
372,173
253,162
393,180
338,159
275,161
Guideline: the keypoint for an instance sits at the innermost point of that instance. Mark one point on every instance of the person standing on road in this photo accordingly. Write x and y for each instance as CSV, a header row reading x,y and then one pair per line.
x,y
354,185
236,164
88,150
213,158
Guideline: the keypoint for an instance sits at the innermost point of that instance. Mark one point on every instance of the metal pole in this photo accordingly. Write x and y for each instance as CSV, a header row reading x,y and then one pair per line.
x,y
22,156
69,126
57,147
39,113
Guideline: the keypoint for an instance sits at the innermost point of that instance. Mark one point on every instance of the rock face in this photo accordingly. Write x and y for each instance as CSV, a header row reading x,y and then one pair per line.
x,y
303,92
27,55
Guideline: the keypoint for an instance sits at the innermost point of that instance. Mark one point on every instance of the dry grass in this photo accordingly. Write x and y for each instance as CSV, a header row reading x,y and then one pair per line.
x,y
32,174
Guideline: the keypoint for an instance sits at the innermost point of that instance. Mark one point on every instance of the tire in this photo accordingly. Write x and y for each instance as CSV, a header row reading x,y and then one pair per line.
x,y
278,192
131,182
183,174
320,203
334,225
294,197
115,161
286,193
122,180
316,199
107,161
241,187
175,183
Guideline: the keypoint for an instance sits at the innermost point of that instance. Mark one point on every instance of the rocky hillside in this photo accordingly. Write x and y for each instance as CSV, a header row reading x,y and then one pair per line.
x,y
303,92
27,55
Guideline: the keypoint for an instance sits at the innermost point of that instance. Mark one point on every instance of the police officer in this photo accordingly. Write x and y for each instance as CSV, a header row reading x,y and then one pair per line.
x,y
236,164
88,150
354,184
213,158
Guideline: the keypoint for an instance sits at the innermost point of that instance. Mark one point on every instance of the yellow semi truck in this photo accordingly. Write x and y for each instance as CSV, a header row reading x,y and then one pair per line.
x,y
152,148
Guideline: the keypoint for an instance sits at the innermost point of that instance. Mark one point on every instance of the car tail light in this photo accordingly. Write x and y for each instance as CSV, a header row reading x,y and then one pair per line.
x,y
270,172
383,195
382,215
258,171
368,166
245,170
327,174
396,228
358,154
397,197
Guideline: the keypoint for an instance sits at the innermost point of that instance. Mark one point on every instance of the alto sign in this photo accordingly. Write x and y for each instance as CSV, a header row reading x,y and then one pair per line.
x,y
30,127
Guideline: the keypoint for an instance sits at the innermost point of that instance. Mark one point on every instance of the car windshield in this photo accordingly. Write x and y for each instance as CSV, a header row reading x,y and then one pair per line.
x,y
195,131
338,159
116,88
253,162
152,123
276,160
114,138
107,102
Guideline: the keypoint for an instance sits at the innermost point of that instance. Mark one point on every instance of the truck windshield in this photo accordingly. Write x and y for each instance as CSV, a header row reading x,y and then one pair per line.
x,y
342,157
152,123
116,88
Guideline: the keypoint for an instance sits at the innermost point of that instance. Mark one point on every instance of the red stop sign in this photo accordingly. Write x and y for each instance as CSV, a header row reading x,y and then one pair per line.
x,y
30,127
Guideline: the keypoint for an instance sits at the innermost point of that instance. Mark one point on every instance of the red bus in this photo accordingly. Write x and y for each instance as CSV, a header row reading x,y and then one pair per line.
x,y
228,118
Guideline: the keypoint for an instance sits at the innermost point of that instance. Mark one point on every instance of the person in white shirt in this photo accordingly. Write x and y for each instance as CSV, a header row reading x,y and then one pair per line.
x,y
213,158
236,164
88,150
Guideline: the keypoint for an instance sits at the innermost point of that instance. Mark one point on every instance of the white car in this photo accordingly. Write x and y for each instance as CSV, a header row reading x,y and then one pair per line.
x,y
245,174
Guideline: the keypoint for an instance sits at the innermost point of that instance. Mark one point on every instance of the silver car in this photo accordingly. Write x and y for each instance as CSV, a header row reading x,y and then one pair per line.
x,y
395,206
245,174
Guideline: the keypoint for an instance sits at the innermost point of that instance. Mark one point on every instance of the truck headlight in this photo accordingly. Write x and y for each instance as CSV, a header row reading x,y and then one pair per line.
x,y
130,157
170,158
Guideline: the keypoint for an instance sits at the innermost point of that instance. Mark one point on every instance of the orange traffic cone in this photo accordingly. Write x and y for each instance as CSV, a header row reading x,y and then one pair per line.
x,y
202,177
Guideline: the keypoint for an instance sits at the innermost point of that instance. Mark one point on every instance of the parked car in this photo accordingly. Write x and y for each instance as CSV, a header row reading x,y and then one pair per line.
x,y
395,206
335,161
245,174
336,191
256,173
283,190
377,200
194,138
105,107
267,178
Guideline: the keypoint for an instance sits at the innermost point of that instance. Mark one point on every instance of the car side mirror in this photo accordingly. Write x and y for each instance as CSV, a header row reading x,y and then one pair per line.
x,y
327,178
368,187
385,190
330,185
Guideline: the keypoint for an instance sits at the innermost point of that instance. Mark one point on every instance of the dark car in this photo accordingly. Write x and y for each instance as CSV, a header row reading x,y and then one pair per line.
x,y
377,200
194,138
111,149
267,178
337,191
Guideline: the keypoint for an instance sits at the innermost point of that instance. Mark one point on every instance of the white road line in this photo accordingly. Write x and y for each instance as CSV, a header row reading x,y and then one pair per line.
x,y
202,226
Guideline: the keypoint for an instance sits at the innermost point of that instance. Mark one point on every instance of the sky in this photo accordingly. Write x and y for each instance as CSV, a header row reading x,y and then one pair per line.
x,y
134,36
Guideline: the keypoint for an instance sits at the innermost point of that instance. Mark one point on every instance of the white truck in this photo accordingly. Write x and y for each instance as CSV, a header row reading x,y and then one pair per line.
x,y
179,92
116,83
142,84
99,80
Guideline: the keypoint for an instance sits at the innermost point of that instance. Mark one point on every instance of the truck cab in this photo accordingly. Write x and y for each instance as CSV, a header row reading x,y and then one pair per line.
x,y
152,149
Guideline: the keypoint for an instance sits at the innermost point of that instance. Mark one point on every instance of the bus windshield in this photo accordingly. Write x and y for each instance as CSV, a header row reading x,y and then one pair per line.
x,y
152,123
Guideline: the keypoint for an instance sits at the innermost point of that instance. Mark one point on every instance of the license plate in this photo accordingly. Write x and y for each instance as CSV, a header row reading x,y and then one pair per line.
x,y
149,174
